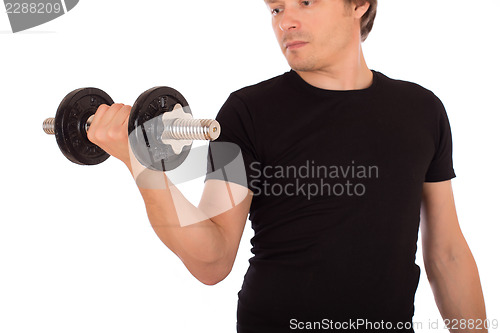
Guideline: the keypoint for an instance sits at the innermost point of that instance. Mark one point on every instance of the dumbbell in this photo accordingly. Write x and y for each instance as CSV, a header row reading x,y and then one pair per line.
x,y
161,127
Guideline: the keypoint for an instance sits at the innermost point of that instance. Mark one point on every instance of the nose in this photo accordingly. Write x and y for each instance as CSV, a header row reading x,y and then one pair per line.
x,y
289,20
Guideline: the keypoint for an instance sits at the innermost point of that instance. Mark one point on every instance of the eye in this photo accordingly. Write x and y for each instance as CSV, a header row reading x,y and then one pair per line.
x,y
306,3
275,11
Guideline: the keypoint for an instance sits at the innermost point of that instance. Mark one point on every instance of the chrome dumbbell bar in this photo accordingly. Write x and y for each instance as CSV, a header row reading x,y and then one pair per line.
x,y
178,129
161,127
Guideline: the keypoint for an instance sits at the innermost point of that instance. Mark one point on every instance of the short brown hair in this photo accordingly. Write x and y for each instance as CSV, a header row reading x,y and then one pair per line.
x,y
368,18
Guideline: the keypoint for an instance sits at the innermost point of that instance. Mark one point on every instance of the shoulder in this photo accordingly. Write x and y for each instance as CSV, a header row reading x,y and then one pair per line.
x,y
408,91
244,104
262,91
411,96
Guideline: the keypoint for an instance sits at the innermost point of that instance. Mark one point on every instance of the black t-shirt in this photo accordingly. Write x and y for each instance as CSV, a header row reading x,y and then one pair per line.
x,y
337,178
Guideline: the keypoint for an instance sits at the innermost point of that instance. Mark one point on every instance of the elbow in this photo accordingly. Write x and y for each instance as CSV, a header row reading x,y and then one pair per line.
x,y
207,272
213,273
212,280
438,267
438,259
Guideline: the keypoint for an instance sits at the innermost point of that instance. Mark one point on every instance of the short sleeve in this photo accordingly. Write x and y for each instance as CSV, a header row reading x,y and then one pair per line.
x,y
441,166
233,156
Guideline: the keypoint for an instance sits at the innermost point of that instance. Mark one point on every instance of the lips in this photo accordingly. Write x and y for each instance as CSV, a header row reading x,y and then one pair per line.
x,y
294,45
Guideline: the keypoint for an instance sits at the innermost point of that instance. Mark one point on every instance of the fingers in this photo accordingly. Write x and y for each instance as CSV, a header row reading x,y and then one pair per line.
x,y
121,116
105,115
100,112
109,130
116,127
109,121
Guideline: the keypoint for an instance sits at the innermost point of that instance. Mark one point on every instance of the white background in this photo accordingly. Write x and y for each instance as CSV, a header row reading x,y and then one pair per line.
x,y
77,252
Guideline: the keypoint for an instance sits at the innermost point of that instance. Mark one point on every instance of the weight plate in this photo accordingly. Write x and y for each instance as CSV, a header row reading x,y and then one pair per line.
x,y
145,128
70,120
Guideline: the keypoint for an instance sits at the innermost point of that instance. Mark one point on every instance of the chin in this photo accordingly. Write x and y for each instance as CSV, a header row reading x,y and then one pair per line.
x,y
301,66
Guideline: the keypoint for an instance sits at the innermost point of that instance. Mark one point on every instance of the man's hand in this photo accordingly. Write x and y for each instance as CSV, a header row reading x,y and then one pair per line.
x,y
109,130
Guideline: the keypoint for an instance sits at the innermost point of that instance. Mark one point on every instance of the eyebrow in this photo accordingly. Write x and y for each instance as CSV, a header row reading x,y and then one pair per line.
x,y
271,1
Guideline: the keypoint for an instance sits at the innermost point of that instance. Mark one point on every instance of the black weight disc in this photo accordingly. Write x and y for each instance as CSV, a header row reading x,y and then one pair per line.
x,y
145,128
70,121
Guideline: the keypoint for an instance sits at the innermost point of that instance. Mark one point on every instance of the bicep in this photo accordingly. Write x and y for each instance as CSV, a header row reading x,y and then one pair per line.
x,y
227,204
441,234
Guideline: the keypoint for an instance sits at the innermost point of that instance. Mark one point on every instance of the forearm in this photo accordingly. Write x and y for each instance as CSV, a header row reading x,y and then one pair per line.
x,y
183,228
457,290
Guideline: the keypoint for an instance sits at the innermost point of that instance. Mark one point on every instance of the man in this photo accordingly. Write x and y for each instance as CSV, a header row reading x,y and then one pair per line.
x,y
341,165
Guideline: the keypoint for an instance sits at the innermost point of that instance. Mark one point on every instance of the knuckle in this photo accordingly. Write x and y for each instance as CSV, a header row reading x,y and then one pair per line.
x,y
124,135
102,108
100,136
112,135
115,133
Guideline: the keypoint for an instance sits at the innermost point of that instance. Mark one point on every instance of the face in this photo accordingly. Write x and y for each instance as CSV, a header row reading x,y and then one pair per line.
x,y
316,33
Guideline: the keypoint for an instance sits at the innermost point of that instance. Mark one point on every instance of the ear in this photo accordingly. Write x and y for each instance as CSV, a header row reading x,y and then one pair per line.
x,y
360,10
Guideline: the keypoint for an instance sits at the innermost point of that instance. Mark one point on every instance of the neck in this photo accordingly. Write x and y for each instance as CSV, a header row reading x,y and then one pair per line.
x,y
348,72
